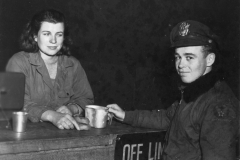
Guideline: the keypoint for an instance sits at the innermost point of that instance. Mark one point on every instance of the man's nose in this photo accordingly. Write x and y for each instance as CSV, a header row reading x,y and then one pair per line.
x,y
181,63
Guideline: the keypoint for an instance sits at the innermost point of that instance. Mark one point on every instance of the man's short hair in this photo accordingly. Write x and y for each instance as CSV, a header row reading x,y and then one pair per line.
x,y
207,49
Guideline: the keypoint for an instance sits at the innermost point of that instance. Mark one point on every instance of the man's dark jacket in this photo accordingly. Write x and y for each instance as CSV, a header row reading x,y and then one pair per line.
x,y
202,125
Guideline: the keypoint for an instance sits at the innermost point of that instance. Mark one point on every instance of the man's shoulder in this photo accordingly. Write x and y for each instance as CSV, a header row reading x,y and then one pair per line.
x,y
224,104
222,93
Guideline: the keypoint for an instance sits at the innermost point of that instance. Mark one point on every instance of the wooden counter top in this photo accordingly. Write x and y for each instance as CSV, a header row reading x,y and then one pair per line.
x,y
44,141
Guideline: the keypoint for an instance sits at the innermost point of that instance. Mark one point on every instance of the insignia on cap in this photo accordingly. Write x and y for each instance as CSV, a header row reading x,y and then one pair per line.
x,y
184,29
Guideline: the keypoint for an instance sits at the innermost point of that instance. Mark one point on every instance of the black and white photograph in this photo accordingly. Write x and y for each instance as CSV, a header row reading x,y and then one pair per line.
x,y
119,79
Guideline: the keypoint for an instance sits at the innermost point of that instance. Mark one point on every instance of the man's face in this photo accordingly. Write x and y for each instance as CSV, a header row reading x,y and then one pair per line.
x,y
191,63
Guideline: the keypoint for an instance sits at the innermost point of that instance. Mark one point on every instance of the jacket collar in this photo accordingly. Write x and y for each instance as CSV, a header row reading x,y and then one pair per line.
x,y
35,59
200,86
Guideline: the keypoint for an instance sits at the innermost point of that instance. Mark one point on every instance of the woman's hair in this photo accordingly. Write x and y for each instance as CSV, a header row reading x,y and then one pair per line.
x,y
27,42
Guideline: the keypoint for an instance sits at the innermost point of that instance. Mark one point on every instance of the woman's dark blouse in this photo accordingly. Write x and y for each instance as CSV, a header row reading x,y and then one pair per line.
x,y
71,83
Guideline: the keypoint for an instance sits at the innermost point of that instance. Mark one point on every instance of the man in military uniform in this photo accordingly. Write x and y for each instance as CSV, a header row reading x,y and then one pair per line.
x,y
203,123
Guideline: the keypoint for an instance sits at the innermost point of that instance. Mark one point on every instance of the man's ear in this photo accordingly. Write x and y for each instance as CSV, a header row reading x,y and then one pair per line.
x,y
210,59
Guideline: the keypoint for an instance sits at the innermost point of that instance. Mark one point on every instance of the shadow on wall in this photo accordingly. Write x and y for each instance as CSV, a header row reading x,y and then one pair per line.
x,y
124,45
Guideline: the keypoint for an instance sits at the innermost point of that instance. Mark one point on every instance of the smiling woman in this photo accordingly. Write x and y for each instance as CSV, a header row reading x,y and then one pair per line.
x,y
57,88
50,38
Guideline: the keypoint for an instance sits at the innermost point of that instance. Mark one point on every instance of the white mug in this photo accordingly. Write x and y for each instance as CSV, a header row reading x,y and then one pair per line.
x,y
97,115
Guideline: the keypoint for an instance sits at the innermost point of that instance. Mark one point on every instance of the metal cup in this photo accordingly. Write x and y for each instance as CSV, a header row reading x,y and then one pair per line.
x,y
97,115
19,121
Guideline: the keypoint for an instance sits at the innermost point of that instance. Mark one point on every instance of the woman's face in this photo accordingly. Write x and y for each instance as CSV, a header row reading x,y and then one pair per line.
x,y
50,38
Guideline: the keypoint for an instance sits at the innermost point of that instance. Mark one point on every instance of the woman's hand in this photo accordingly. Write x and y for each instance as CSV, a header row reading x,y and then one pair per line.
x,y
75,109
60,120
64,109
83,123
119,114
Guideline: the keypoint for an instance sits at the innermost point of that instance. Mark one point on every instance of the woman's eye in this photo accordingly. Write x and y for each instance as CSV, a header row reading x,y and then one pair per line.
x,y
59,35
189,58
46,34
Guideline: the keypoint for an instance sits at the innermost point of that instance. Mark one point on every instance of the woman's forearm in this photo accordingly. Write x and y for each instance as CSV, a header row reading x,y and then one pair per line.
x,y
48,115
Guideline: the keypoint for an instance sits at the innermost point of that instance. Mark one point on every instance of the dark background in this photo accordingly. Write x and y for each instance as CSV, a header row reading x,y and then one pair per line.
x,y
123,45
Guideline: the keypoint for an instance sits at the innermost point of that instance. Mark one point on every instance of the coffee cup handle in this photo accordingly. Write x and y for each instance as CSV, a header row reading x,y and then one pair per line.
x,y
110,117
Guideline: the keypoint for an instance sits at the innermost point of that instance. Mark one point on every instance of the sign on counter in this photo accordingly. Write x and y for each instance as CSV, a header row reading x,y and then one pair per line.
x,y
140,146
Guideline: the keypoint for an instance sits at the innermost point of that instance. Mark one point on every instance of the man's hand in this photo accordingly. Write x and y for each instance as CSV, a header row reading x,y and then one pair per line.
x,y
119,114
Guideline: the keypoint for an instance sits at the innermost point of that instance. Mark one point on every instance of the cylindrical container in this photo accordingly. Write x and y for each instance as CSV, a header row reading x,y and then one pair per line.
x,y
97,115
19,121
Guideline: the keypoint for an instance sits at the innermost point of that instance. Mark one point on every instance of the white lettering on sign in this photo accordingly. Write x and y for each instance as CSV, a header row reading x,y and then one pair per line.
x,y
158,151
138,151
128,151
133,151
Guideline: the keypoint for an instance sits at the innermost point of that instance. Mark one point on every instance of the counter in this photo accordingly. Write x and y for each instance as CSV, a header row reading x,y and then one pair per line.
x,y
44,141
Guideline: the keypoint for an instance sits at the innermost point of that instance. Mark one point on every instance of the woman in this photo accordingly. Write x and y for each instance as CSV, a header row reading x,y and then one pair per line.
x,y
57,88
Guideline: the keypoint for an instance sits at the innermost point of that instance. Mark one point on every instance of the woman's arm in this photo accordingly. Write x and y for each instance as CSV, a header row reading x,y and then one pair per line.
x,y
19,63
83,94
